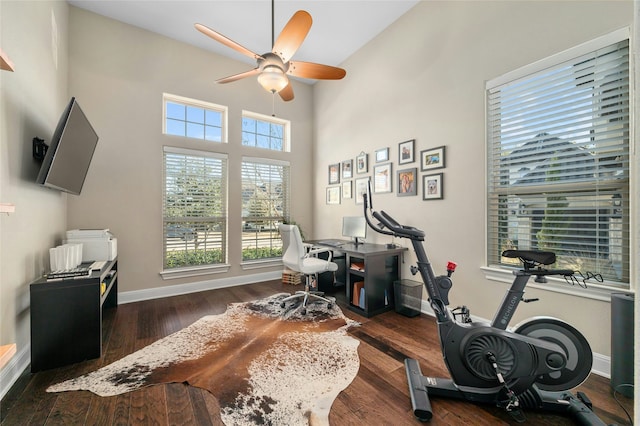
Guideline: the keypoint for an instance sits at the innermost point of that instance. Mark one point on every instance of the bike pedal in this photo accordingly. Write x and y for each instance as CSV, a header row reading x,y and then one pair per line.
x,y
517,415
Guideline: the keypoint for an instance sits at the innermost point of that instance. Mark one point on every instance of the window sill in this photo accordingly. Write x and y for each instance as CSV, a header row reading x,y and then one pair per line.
x,y
194,271
258,264
557,285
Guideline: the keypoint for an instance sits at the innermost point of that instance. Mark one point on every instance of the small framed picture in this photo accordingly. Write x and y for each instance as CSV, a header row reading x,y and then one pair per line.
x,y
382,178
362,186
407,182
432,187
382,155
334,174
432,158
346,190
405,152
333,195
362,165
347,169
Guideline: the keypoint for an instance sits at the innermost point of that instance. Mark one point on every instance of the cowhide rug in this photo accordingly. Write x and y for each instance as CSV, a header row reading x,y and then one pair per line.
x,y
264,364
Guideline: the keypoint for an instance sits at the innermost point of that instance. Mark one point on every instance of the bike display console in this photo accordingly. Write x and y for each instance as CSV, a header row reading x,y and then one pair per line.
x,y
66,317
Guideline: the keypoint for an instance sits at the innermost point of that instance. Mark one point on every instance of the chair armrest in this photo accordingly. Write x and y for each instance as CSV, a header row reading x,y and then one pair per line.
x,y
314,250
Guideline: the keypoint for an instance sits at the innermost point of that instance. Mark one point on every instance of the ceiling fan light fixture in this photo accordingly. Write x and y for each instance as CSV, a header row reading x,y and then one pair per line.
x,y
272,79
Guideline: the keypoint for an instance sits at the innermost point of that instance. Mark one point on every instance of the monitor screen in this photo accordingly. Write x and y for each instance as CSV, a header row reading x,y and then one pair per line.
x,y
354,227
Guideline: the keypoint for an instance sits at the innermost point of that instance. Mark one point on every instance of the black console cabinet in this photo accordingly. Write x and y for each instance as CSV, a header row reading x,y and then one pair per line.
x,y
66,317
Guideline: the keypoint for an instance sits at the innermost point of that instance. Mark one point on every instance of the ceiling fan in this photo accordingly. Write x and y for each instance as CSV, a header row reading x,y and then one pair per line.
x,y
273,67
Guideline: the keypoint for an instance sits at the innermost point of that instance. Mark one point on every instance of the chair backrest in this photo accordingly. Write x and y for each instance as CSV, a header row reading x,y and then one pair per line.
x,y
293,247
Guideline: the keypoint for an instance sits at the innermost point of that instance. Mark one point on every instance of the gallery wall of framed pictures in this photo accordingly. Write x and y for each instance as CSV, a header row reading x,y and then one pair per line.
x,y
350,179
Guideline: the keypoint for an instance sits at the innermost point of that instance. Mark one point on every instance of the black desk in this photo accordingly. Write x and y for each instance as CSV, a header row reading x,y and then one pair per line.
x,y
374,265
66,317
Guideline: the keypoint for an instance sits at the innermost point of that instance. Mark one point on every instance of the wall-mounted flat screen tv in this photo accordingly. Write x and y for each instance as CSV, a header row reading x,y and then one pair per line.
x,y
70,151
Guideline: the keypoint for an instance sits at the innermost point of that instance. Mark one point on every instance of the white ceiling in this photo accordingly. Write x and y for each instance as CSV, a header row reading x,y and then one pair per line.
x,y
340,27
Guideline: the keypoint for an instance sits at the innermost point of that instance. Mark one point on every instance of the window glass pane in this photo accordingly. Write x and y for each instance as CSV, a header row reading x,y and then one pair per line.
x,y
248,125
195,115
175,127
175,111
213,133
276,144
213,118
263,128
262,141
248,139
195,131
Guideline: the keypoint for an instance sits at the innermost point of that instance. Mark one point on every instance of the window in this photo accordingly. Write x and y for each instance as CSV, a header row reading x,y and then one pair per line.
x,y
260,131
265,205
558,160
194,119
194,208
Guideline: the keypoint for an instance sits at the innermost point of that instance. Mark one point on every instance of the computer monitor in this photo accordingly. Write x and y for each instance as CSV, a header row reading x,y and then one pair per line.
x,y
354,227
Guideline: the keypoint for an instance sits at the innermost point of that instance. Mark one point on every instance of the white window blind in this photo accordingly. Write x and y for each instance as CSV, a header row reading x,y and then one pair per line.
x,y
265,205
558,161
194,208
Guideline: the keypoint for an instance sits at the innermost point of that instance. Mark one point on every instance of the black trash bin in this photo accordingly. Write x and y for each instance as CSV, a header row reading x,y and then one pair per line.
x,y
408,297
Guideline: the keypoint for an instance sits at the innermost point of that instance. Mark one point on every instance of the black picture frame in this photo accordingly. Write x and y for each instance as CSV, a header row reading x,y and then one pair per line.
x,y
406,152
432,186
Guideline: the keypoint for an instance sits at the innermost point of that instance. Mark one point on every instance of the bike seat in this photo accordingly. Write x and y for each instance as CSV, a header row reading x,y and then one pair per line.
x,y
536,256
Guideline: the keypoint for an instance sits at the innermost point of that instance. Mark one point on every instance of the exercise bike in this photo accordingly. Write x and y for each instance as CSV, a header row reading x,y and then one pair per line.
x,y
529,367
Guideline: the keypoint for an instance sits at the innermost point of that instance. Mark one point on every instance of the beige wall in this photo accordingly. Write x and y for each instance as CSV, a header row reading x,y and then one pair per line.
x,y
119,73
31,100
424,79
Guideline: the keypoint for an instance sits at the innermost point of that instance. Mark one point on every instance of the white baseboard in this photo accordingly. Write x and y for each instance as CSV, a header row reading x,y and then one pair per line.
x,y
177,290
601,363
11,372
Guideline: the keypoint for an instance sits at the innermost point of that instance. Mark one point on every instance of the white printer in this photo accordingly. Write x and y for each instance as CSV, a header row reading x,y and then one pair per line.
x,y
97,244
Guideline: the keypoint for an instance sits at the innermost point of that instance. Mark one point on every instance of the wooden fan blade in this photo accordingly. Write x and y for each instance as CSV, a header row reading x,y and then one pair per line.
x,y
287,93
236,77
292,35
317,71
226,41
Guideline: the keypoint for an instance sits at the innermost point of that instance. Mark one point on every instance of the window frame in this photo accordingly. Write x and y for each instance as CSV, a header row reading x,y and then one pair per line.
x,y
207,106
500,272
274,232
201,269
286,130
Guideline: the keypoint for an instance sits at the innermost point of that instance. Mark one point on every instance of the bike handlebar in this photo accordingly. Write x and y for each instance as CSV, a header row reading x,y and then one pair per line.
x,y
394,228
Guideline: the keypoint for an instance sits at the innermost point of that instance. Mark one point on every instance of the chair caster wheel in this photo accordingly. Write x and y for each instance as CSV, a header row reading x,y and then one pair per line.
x,y
329,306
304,311
282,305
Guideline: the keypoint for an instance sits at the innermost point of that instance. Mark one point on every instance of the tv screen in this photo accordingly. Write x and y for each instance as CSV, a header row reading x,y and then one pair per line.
x,y
354,227
69,154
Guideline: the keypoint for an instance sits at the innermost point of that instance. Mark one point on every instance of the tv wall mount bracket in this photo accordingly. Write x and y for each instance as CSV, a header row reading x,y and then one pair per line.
x,y
39,148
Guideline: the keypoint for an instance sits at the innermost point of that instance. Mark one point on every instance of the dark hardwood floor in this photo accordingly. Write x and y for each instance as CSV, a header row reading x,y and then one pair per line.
x,y
378,396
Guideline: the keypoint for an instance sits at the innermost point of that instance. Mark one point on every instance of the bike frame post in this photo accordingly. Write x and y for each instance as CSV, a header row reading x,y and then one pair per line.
x,y
429,280
510,301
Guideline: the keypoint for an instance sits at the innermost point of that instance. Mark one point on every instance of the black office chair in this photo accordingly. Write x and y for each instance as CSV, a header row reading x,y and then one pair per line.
x,y
301,257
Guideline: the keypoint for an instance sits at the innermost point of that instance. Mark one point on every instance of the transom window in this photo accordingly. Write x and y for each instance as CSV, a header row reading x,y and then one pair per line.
x,y
194,119
558,160
261,131
194,208
265,205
